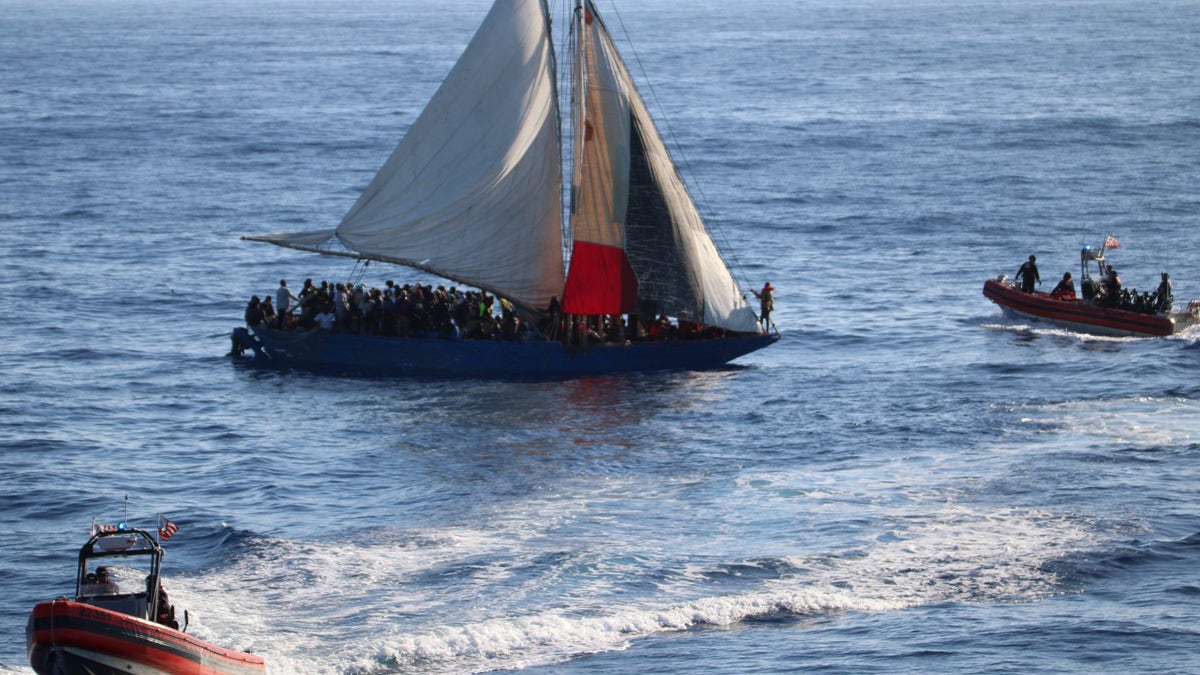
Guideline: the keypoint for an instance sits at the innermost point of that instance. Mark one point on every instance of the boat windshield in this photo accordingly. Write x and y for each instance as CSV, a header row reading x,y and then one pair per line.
x,y
125,576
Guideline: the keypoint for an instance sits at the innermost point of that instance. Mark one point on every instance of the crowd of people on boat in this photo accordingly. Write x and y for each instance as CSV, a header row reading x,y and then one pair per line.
x,y
1107,292
411,310
415,310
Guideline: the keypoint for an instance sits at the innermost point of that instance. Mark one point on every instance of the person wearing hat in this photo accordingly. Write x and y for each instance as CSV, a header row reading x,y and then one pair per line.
x,y
1111,283
766,300
106,585
1164,296
1028,274
1065,290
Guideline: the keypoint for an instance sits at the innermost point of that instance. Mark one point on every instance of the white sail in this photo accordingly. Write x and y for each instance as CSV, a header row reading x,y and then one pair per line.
x,y
474,190
631,198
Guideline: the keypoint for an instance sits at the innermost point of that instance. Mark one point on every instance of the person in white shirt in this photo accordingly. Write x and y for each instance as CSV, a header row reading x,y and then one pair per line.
x,y
326,318
283,302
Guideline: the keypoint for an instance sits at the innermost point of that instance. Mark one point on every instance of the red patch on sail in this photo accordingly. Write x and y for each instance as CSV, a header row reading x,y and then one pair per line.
x,y
600,281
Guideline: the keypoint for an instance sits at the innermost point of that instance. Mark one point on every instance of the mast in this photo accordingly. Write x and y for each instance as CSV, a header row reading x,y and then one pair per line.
x,y
575,117
640,244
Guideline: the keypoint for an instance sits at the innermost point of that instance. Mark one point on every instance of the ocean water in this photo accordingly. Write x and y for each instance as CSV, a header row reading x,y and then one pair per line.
x,y
907,481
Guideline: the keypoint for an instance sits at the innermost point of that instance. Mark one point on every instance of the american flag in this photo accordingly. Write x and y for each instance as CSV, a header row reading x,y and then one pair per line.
x,y
166,528
98,527
1111,242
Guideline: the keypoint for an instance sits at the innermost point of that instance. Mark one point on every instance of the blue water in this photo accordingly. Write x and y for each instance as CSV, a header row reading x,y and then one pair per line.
x,y
907,481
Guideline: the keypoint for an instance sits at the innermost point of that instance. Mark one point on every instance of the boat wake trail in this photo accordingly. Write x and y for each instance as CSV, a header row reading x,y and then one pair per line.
x,y
368,623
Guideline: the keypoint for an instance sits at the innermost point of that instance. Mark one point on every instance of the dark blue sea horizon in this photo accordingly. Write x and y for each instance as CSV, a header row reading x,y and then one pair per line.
x,y
908,481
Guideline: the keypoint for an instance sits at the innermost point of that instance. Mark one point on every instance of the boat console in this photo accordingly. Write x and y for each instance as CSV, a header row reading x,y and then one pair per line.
x,y
118,571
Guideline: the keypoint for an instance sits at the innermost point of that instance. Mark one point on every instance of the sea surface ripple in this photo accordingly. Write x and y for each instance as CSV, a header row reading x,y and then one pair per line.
x,y
908,481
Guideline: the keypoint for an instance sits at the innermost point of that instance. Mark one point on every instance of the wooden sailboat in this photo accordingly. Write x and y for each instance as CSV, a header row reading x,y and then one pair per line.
x,y
474,193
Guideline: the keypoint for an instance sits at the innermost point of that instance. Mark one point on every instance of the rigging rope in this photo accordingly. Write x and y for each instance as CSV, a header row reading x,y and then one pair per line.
x,y
726,250
357,273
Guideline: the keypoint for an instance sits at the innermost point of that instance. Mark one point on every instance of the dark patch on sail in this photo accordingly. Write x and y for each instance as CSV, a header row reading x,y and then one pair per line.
x,y
650,242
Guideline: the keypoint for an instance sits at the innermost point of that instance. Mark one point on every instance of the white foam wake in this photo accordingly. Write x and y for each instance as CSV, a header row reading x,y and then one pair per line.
x,y
364,607
957,554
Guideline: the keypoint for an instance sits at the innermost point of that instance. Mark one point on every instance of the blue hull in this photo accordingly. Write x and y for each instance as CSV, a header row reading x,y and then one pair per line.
x,y
378,355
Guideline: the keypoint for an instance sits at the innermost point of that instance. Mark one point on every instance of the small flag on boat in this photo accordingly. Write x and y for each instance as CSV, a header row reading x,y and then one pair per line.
x,y
166,528
1111,242
98,527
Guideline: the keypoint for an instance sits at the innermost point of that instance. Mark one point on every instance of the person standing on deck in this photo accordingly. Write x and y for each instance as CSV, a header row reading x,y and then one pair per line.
x,y
1028,274
766,299
1111,283
1164,296
283,302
